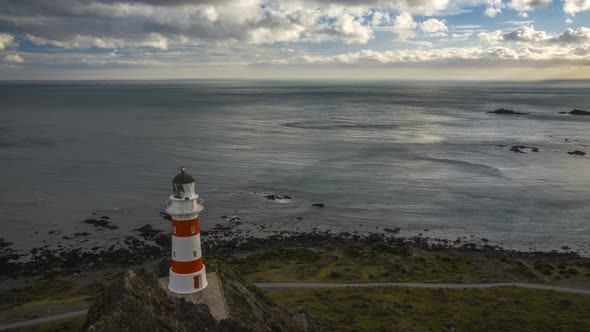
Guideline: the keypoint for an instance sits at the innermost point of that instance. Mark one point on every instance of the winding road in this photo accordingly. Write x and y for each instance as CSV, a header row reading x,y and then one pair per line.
x,y
43,320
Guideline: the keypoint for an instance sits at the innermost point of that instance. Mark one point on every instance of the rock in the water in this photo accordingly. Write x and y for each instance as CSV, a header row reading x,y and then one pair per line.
x,y
521,148
579,112
320,205
577,153
148,232
506,112
392,230
274,197
102,222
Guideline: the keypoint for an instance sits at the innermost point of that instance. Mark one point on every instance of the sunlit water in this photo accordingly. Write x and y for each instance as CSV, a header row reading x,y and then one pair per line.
x,y
411,155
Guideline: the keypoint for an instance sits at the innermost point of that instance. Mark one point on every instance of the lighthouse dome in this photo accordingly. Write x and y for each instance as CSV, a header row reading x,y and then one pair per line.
x,y
183,177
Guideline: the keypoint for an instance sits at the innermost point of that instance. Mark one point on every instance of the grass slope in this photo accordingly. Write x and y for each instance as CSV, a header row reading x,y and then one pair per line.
x,y
383,262
412,309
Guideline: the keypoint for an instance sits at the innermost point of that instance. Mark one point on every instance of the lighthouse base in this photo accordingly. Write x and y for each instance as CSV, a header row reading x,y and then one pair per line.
x,y
212,296
187,283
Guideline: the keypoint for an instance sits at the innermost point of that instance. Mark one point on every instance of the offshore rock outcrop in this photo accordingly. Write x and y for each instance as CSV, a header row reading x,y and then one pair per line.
x,y
576,112
577,153
521,148
506,112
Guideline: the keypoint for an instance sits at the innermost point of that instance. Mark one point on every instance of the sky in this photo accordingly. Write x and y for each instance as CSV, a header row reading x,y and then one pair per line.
x,y
308,39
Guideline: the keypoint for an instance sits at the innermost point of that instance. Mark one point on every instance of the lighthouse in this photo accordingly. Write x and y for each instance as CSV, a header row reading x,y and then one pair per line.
x,y
187,272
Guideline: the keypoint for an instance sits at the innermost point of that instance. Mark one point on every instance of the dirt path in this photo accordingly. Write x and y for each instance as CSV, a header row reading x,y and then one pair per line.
x,y
43,320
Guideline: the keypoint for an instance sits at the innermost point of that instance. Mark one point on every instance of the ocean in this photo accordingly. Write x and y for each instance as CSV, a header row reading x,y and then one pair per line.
x,y
421,156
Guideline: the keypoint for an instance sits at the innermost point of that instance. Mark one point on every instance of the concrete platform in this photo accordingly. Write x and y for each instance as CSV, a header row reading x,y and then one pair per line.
x,y
212,296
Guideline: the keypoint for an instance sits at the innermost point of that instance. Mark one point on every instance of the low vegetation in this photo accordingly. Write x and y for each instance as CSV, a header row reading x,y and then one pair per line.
x,y
384,262
53,293
412,309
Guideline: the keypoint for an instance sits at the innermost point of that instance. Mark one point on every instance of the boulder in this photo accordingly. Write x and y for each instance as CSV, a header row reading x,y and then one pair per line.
x,y
394,230
148,232
273,197
320,205
102,222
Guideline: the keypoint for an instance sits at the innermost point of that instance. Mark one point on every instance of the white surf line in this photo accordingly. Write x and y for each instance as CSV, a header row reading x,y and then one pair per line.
x,y
43,320
280,285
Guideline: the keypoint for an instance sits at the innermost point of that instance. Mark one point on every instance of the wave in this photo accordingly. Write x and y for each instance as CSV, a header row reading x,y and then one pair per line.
x,y
487,169
335,126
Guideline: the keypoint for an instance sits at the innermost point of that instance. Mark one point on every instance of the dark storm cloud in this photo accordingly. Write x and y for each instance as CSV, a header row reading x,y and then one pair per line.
x,y
113,24
61,20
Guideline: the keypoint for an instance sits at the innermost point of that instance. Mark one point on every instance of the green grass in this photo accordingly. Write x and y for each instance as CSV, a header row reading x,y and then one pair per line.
x,y
383,262
51,289
399,309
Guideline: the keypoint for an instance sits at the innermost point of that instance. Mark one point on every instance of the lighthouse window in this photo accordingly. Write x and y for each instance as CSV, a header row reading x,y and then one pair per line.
x,y
173,253
193,229
194,253
178,190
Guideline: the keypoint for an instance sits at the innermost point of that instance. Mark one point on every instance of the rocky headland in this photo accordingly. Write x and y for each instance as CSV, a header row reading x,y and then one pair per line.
x,y
137,302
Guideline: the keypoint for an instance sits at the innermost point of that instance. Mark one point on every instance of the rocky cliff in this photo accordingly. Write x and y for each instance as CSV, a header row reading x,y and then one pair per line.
x,y
137,302
254,310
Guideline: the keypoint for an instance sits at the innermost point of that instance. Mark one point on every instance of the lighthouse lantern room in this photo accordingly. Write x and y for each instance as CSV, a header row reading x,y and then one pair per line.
x,y
187,272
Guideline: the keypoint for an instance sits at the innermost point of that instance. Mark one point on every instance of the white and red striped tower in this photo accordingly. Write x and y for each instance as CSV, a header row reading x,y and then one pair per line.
x,y
187,273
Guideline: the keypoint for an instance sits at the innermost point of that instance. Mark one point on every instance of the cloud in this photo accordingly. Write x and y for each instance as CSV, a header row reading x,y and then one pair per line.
x,y
434,27
404,25
346,28
231,33
528,5
528,35
449,55
526,22
158,24
422,7
571,7
462,35
493,8
78,41
5,41
380,17
13,58
165,25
